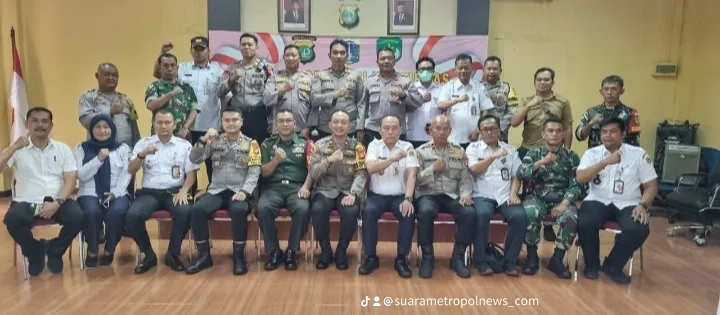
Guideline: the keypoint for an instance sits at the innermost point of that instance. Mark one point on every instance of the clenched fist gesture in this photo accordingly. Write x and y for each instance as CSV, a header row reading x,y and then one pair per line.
x,y
209,136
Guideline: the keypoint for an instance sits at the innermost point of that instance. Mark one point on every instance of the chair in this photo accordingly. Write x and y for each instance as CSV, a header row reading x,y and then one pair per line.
x,y
612,227
698,199
284,216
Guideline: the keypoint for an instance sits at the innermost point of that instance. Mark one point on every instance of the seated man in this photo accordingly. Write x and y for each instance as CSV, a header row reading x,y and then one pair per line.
x,y
392,165
167,178
493,164
236,168
443,184
616,173
45,174
285,158
552,169
337,166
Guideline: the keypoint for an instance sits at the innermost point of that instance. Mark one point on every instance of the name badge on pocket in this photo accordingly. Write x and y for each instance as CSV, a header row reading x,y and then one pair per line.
x,y
175,172
618,187
505,173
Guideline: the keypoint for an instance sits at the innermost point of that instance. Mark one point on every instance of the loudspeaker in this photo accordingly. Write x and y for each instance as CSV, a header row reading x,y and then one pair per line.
x,y
680,159
678,133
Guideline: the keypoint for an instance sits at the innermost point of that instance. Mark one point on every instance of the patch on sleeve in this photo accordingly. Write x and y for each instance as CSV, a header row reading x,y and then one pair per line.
x,y
255,155
359,157
310,147
647,159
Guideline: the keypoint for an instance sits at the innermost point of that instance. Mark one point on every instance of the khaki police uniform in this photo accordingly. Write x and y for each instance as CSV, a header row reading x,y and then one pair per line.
x,y
324,103
94,102
506,101
247,94
296,100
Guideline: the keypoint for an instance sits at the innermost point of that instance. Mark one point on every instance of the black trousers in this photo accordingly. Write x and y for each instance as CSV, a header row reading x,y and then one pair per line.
x,y
113,217
517,225
255,123
375,206
272,199
208,203
320,207
592,216
427,208
148,201
196,135
19,220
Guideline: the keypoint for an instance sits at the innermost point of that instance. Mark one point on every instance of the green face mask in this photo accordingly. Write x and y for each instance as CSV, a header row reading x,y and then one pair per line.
x,y
425,75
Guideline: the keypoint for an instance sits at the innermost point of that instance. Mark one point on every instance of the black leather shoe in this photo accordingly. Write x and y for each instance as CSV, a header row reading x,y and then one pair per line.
x,y
371,263
36,260
533,261
54,260
615,274
91,261
174,262
457,262
341,259
326,258
290,260
203,261
549,233
274,260
107,259
591,273
428,262
147,263
402,268
557,266
239,264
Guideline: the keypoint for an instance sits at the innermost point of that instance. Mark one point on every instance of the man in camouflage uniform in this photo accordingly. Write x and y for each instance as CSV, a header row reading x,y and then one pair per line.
x,y
246,80
555,190
285,158
501,93
337,167
174,95
236,169
289,89
336,88
444,183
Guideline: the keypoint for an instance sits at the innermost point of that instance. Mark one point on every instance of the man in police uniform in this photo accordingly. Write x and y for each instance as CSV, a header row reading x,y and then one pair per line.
x,y
236,163
246,80
392,165
611,88
289,89
387,93
168,176
501,93
493,164
285,158
336,88
337,167
615,172
552,169
444,183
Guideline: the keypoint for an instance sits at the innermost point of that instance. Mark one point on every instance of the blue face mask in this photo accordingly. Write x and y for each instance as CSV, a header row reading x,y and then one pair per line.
x,y
425,75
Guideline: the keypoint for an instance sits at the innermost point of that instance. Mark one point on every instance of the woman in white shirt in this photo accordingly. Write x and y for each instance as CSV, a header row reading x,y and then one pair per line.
x,y
103,174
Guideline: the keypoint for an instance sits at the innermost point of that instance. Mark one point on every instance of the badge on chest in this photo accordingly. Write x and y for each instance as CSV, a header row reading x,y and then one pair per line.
x,y
618,187
175,172
505,173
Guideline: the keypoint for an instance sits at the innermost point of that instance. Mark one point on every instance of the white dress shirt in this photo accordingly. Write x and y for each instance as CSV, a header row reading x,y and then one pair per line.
x,y
157,168
491,185
464,116
423,115
119,176
40,173
204,82
635,168
391,181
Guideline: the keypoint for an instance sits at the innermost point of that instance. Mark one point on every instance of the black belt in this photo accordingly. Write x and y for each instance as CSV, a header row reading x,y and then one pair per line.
x,y
287,182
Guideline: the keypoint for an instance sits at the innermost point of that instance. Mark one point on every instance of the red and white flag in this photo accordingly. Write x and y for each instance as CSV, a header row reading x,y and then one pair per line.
x,y
18,96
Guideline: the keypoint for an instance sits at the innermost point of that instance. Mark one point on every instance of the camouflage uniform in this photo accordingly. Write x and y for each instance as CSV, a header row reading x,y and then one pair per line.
x,y
553,183
503,110
180,105
628,114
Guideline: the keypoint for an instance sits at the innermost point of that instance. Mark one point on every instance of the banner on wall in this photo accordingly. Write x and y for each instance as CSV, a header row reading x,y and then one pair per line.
x,y
224,48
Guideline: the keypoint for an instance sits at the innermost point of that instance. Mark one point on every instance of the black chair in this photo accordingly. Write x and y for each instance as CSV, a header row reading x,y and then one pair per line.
x,y
697,197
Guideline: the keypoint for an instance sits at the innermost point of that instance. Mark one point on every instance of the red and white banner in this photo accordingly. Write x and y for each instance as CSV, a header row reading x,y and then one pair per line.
x,y
18,95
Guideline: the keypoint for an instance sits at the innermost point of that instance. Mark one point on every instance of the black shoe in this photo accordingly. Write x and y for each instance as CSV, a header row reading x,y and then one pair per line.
x,y
341,259
274,260
591,273
107,259
290,260
557,266
147,263
239,264
54,257
326,258
532,264
457,262
484,269
91,261
402,267
371,263
203,261
549,233
428,262
36,258
616,275
174,262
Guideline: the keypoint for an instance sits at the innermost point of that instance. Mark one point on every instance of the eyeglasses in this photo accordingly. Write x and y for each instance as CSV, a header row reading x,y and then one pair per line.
x,y
489,130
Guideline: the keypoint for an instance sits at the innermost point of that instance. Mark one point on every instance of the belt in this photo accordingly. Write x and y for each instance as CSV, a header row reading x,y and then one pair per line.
x,y
287,182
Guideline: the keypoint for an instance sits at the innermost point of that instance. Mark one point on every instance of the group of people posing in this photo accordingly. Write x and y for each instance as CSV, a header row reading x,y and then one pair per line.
x,y
384,145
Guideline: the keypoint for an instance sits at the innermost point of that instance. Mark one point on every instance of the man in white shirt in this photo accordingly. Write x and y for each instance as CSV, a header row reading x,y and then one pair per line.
x,y
168,176
494,166
622,187
392,165
418,126
45,174
464,100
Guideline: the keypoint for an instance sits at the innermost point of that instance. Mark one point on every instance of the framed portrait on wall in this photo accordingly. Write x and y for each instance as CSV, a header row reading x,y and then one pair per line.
x,y
294,16
403,17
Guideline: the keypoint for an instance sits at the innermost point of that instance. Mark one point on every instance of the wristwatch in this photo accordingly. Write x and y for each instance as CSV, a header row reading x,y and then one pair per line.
x,y
60,201
408,198
644,205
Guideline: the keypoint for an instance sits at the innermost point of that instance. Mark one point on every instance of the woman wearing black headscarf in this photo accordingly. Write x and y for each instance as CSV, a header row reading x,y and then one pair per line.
x,y
103,174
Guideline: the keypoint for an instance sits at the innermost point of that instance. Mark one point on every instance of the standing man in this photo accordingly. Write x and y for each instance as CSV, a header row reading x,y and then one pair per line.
x,y
285,162
289,89
392,165
337,88
246,80
203,76
418,128
616,173
494,166
174,95
611,88
501,93
236,159
444,183
168,176
387,93
44,178
337,167
552,169
464,100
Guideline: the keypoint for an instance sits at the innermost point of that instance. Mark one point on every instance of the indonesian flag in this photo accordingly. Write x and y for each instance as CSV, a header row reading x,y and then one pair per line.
x,y
18,96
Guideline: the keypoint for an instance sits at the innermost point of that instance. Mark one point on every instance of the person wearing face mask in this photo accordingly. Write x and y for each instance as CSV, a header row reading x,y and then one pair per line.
x,y
418,131
289,89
